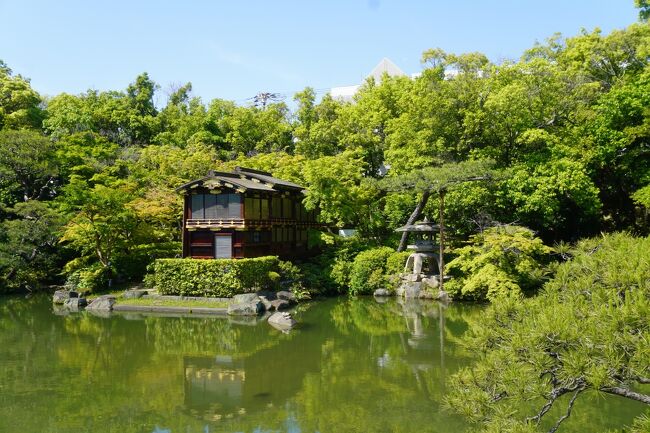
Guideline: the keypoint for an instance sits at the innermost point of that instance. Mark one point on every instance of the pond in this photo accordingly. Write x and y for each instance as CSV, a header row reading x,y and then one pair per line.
x,y
355,365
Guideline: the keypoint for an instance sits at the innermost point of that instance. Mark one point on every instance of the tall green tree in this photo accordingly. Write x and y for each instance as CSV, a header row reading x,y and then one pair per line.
x,y
29,254
19,103
28,169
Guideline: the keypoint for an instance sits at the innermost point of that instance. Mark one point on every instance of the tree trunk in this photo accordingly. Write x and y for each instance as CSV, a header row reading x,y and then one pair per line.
x,y
441,222
413,218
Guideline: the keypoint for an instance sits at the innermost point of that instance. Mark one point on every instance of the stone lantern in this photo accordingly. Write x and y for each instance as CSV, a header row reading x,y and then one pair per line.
x,y
422,269
424,261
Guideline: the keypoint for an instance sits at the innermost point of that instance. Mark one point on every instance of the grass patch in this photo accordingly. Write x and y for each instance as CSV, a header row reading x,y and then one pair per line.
x,y
172,303
115,292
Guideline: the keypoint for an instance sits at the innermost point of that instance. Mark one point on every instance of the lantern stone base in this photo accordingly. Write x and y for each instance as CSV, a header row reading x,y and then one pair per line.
x,y
421,286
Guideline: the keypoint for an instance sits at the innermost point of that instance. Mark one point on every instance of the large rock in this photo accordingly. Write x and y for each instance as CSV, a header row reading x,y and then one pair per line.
x,y
268,305
245,298
282,321
246,309
382,292
287,296
133,294
443,296
412,290
280,304
431,282
102,303
75,304
268,294
60,296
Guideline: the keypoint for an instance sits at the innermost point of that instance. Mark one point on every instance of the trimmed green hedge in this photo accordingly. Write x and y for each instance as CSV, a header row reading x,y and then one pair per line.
x,y
216,277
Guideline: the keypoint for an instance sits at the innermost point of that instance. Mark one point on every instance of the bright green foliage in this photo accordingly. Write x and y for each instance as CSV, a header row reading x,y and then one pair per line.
x,y
440,179
365,124
123,118
558,195
249,130
368,271
84,154
587,331
644,9
642,196
616,142
218,277
336,186
19,103
500,262
117,227
318,131
396,262
606,59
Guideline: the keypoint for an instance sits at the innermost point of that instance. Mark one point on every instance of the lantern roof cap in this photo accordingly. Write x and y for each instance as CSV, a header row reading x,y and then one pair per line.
x,y
425,226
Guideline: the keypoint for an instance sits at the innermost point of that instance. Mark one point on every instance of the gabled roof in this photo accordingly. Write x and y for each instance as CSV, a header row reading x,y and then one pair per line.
x,y
242,179
266,177
386,66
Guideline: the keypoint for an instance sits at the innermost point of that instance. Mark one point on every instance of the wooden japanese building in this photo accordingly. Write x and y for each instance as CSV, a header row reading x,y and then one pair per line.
x,y
244,213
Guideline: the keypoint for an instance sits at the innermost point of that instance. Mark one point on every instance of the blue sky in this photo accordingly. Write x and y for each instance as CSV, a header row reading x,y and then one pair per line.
x,y
235,49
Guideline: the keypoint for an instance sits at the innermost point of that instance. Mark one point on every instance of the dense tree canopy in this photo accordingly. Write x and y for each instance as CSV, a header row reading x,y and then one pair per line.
x,y
564,131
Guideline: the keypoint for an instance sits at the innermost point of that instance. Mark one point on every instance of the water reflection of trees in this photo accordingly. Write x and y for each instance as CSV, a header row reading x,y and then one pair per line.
x,y
389,372
354,366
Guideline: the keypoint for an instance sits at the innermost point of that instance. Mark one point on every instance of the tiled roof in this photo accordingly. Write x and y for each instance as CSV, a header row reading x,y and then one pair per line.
x,y
266,178
242,179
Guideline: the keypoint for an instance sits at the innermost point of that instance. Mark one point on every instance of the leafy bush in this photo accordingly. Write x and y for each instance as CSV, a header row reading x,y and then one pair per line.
x,y
132,266
216,277
90,278
368,271
290,277
396,262
501,261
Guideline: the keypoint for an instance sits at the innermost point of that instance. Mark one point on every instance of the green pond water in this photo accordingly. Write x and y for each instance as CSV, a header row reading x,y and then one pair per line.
x,y
353,366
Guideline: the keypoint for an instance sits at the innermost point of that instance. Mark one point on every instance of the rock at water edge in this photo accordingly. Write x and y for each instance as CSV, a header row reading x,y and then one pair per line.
x,y
282,321
280,304
133,294
103,303
382,292
75,303
60,296
287,296
245,298
248,309
443,296
268,304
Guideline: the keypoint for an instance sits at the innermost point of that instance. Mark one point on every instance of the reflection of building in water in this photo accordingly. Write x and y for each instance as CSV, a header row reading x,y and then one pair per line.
x,y
230,386
215,383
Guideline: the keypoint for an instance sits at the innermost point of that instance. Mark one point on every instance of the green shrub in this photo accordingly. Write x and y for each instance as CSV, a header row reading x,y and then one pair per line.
x,y
396,262
340,264
501,261
368,271
88,279
132,266
215,277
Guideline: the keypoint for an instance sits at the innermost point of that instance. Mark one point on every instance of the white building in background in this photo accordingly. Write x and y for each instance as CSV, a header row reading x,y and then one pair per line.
x,y
346,93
